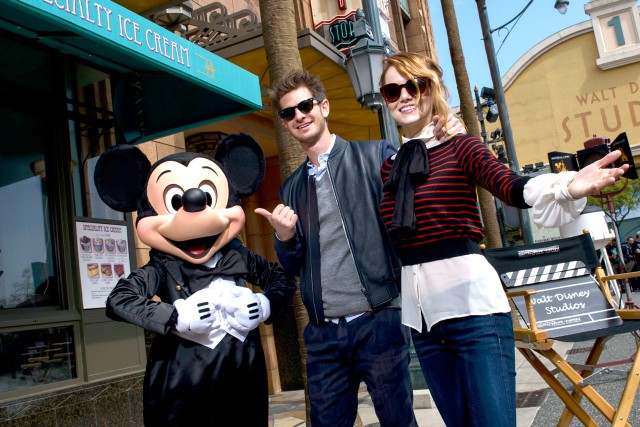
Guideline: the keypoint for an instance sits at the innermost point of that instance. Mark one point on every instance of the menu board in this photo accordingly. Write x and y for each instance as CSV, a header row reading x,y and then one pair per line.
x,y
103,259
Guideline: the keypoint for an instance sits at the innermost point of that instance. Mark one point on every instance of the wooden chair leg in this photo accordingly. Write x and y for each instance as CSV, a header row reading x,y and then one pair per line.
x,y
628,394
558,388
592,360
588,391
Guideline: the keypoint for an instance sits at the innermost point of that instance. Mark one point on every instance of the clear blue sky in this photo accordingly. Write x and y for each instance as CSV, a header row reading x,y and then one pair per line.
x,y
537,23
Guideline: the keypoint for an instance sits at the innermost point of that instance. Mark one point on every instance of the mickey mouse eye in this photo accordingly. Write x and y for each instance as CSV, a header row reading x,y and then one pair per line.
x,y
210,191
173,199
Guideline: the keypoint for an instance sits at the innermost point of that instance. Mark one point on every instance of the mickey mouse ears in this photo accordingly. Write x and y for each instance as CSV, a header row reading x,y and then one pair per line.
x,y
120,176
122,171
243,161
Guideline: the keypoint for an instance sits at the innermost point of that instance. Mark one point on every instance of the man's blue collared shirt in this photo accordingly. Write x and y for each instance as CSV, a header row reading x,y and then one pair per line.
x,y
317,172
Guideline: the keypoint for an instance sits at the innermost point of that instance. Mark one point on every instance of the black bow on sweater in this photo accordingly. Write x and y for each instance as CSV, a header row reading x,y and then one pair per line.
x,y
410,170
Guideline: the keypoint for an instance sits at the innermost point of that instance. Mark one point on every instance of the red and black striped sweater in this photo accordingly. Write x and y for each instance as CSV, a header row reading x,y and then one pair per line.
x,y
446,205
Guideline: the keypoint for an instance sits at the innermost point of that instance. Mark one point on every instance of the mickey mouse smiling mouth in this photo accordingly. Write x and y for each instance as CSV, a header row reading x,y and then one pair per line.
x,y
196,248
193,236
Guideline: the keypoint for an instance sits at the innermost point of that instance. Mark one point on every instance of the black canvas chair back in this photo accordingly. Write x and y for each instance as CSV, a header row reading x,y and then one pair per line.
x,y
568,303
576,248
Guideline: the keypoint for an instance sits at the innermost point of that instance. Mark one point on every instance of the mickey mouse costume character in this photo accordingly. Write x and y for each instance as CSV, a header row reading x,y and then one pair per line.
x,y
206,364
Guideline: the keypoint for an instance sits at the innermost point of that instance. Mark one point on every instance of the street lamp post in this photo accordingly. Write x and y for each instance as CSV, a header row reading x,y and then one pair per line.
x,y
364,67
483,133
561,6
502,108
497,85
176,17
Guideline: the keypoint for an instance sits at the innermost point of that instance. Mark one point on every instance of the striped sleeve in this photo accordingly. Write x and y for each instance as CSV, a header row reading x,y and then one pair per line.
x,y
385,169
485,170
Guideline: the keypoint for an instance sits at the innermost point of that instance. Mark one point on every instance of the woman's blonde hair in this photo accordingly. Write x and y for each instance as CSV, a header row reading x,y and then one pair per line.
x,y
418,65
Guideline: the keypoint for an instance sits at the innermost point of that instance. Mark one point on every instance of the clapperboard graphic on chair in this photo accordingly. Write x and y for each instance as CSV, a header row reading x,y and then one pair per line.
x,y
568,300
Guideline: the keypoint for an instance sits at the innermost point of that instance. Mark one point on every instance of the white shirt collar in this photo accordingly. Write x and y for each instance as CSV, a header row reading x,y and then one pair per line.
x,y
213,260
426,135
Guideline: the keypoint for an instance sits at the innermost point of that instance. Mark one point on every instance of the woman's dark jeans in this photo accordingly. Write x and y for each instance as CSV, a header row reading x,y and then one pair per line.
x,y
469,366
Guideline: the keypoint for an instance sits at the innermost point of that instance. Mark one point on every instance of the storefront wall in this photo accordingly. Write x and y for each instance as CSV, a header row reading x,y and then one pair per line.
x,y
62,361
56,116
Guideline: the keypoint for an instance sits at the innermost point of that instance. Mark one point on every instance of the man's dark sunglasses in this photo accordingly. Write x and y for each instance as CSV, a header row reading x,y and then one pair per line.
x,y
304,106
391,92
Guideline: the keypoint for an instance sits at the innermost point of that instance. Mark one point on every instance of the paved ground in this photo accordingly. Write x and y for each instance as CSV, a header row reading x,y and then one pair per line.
x,y
287,408
537,406
609,383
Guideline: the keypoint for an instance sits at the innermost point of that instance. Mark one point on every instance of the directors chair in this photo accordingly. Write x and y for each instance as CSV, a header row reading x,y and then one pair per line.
x,y
561,294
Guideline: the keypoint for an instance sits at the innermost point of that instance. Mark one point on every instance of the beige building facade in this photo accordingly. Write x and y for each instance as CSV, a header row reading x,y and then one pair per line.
x,y
581,82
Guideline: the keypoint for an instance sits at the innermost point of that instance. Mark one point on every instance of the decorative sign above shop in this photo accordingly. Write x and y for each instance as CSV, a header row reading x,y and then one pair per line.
x,y
339,31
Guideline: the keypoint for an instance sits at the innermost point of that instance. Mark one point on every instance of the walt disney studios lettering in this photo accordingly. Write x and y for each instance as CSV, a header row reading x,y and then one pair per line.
x,y
562,301
608,115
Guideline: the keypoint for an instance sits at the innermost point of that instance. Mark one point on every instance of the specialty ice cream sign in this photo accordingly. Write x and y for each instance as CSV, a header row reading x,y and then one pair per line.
x,y
114,22
103,258
104,32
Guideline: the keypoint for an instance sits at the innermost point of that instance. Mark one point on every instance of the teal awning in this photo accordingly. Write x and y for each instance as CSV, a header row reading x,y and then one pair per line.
x,y
163,83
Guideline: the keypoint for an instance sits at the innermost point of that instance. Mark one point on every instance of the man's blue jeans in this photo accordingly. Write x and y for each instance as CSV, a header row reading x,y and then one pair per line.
x,y
373,348
469,366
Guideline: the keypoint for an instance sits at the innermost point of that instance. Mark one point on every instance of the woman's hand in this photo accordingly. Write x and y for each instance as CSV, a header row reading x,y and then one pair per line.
x,y
596,176
444,131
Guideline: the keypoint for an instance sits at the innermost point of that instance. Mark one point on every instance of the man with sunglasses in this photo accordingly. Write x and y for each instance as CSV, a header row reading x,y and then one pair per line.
x,y
330,233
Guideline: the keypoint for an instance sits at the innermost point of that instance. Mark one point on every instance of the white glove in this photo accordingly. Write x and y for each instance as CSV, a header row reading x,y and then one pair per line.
x,y
197,313
245,310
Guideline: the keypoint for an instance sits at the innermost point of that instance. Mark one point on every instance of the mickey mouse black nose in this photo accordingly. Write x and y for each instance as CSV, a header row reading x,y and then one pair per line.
x,y
194,200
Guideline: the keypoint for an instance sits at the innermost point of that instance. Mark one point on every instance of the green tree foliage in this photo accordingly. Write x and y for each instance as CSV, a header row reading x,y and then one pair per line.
x,y
625,198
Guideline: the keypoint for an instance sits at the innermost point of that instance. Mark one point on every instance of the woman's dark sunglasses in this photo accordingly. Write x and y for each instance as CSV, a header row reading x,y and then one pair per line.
x,y
391,92
304,107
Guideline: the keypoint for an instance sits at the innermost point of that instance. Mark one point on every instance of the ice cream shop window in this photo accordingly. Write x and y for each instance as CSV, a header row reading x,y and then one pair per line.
x,y
28,273
36,357
91,131
60,248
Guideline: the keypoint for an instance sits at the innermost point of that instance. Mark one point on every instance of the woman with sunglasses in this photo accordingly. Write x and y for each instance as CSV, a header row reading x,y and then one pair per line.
x,y
452,299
